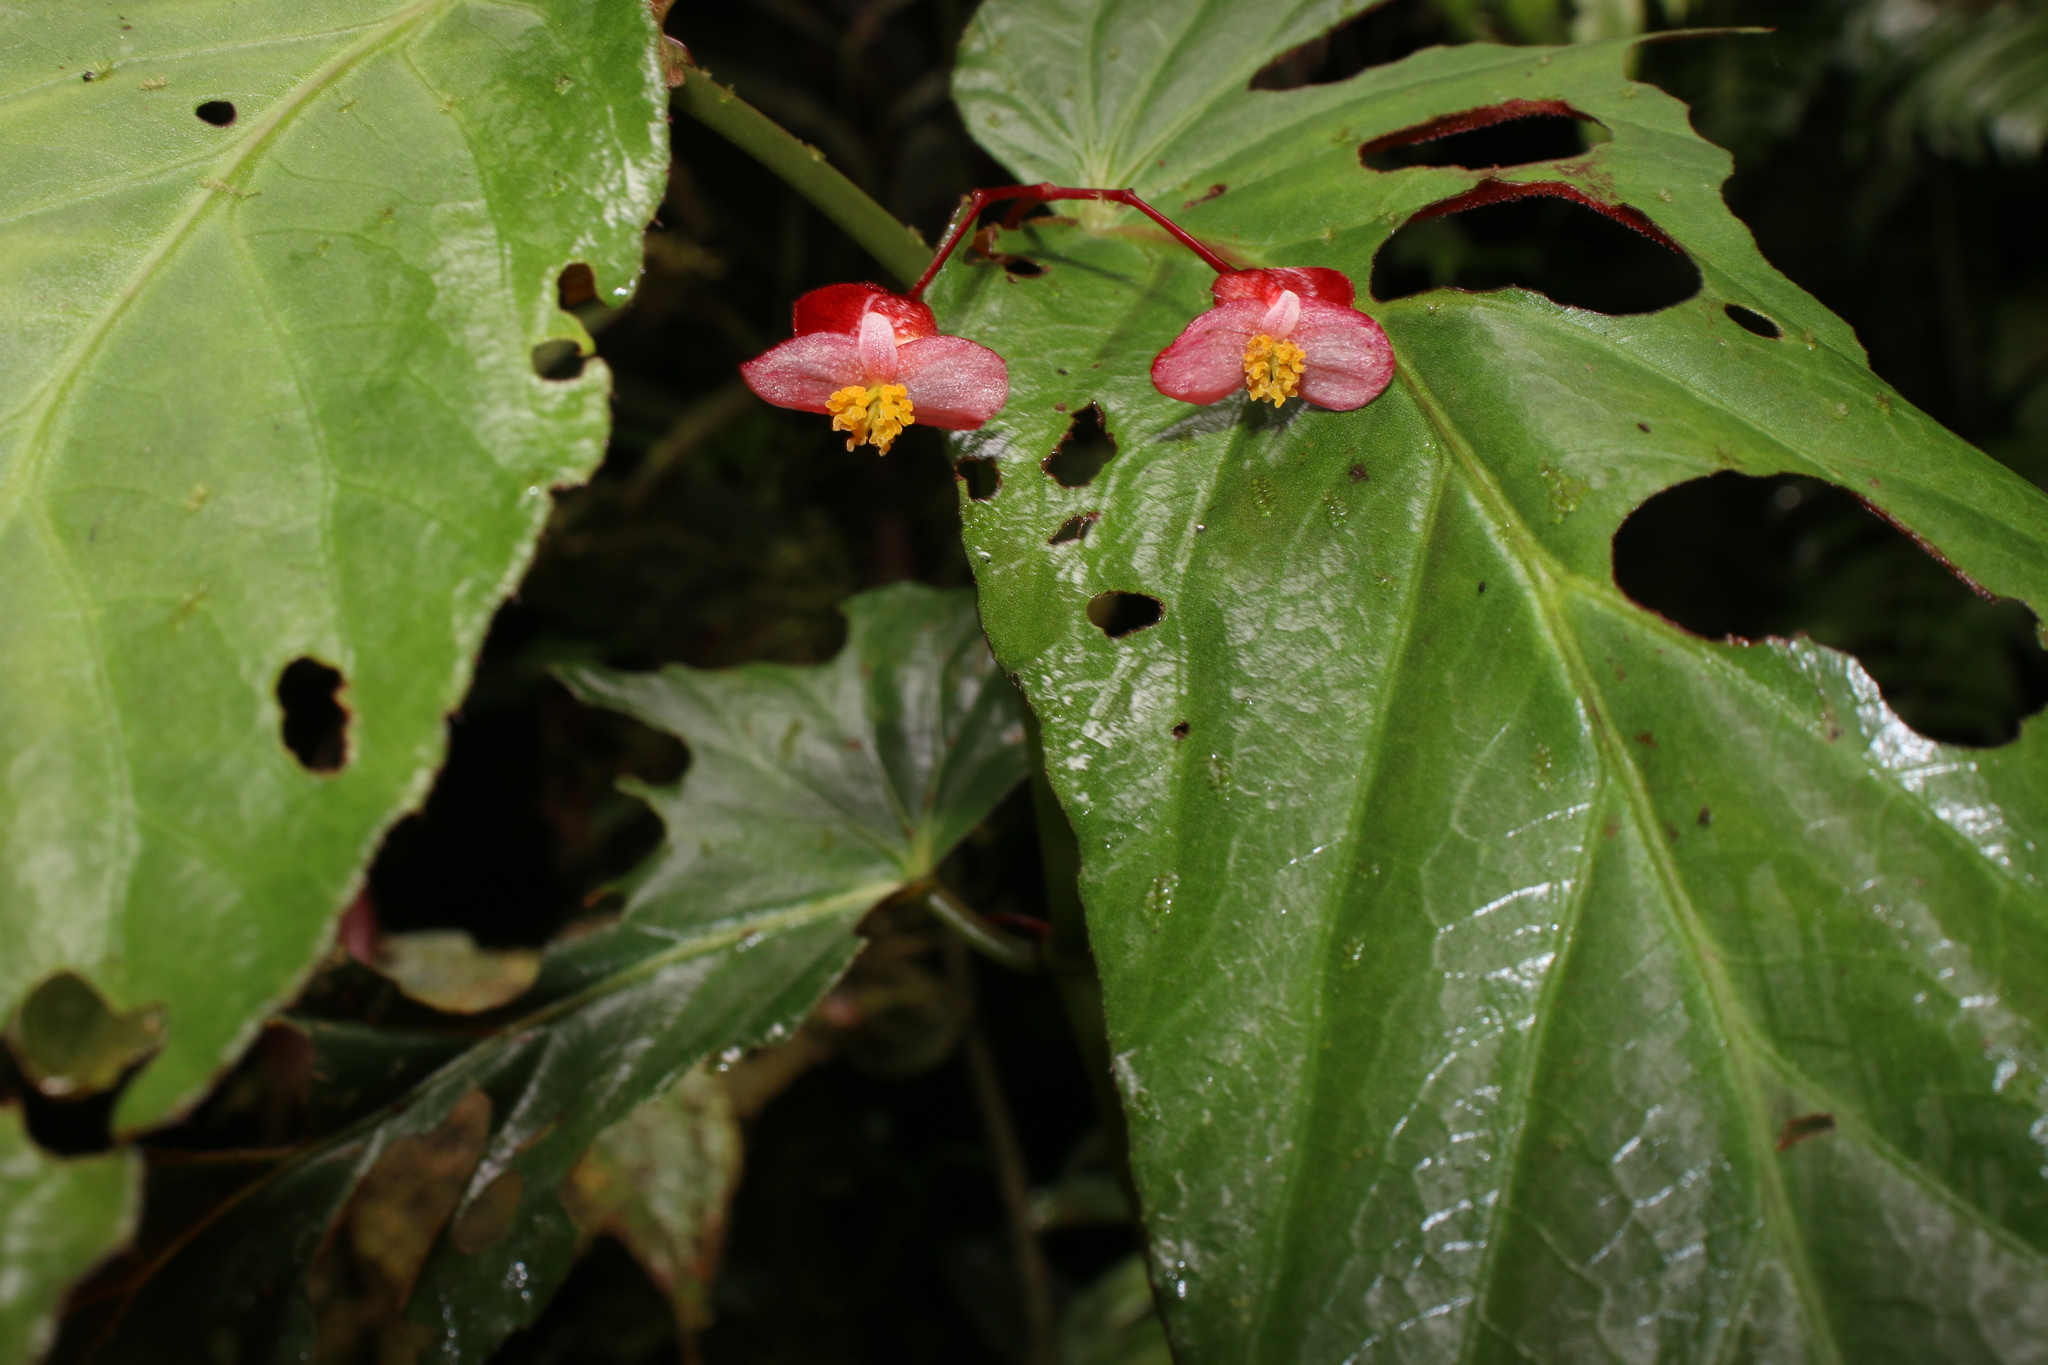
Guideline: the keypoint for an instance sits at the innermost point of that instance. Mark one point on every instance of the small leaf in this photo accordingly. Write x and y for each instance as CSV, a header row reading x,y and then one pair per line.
x,y
812,795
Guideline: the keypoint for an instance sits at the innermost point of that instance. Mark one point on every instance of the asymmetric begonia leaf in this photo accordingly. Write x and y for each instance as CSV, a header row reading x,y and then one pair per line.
x,y
274,274
57,1217
436,1226
1494,970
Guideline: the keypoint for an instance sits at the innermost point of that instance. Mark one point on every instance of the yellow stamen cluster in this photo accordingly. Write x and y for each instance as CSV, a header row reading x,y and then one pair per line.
x,y
1272,369
873,417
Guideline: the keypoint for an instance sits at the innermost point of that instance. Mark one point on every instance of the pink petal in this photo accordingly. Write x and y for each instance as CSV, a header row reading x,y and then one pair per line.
x,y
1206,361
1348,360
1281,315
804,371
953,383
878,348
840,307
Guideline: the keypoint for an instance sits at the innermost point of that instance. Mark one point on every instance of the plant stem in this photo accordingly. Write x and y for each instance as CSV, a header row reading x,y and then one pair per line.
x,y
804,169
1027,195
980,935
1012,1175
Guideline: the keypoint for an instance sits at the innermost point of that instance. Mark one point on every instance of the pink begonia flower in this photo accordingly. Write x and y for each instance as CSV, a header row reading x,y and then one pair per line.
x,y
1279,333
876,362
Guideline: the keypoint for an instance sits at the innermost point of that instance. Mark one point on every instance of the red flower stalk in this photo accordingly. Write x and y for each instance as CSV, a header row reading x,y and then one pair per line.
x,y
1029,196
877,362
1278,333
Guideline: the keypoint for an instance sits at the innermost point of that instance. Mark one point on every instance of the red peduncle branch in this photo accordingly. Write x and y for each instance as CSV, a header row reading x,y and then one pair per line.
x,y
1028,195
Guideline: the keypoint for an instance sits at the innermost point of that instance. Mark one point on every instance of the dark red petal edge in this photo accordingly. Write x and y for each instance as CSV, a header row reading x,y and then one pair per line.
x,y
1264,284
838,308
835,308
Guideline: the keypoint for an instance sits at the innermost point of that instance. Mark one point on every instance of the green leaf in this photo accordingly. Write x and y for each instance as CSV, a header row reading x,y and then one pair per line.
x,y
57,1217
276,273
438,1224
1494,970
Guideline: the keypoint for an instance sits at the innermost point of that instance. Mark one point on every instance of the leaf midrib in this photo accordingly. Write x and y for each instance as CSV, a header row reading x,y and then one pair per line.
x,y
760,763
1730,1018
23,476
1610,598
703,944
1374,750
1737,1023
25,473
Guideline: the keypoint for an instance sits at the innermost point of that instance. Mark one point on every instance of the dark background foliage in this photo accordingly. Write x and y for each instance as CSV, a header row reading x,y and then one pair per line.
x,y
868,1226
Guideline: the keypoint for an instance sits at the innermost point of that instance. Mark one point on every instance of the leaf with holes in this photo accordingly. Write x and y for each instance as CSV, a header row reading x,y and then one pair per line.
x,y
1494,970
272,450
438,1224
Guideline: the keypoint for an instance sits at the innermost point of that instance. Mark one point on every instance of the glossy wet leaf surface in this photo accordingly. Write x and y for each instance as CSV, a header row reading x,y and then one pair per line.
x,y
1494,970
438,1224
275,273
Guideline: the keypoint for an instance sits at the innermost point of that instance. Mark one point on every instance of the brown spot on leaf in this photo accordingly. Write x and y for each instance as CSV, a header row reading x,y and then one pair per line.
x,y
1805,1126
488,1219
364,1273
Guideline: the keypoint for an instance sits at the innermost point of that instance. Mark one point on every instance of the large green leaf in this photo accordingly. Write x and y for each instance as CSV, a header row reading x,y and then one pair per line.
x,y
274,273
56,1218
437,1225
1494,970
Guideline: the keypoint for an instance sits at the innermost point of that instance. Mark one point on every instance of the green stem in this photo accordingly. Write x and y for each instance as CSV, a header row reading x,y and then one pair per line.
x,y
979,934
804,169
